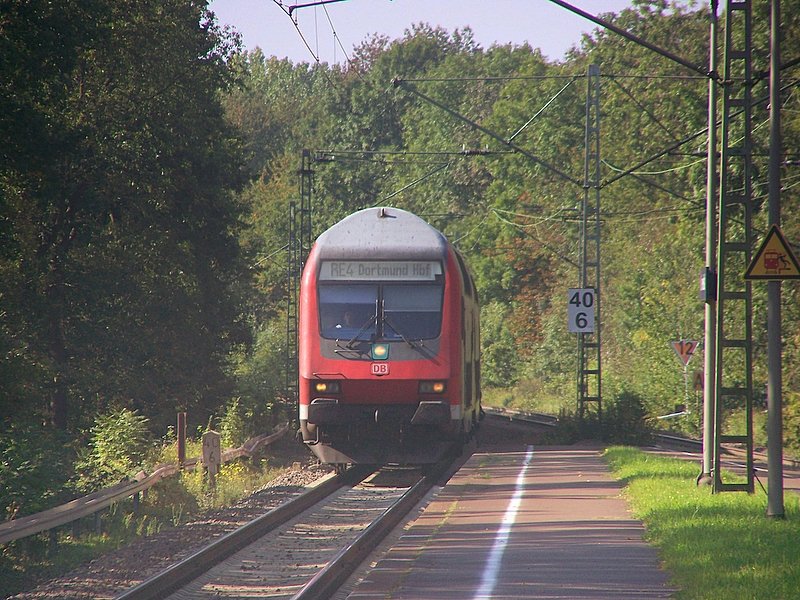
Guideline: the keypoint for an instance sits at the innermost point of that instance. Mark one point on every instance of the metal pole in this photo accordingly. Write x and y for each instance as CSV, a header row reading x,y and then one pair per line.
x,y
710,344
774,350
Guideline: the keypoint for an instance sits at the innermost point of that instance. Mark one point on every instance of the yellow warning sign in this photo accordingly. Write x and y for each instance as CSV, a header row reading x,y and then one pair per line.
x,y
774,260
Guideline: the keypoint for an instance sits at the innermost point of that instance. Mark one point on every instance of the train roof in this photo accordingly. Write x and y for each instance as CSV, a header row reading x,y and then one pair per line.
x,y
382,234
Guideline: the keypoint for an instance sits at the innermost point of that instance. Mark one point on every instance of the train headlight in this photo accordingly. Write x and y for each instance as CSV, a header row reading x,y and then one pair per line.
x,y
380,351
331,387
431,387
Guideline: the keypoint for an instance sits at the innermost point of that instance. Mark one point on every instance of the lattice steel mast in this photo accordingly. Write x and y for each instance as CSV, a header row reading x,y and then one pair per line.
x,y
734,353
299,246
589,361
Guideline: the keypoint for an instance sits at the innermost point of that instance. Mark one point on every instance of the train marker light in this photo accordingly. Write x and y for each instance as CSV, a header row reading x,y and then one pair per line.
x,y
380,351
431,387
332,387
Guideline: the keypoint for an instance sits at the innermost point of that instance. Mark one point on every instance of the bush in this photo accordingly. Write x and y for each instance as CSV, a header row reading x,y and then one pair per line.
x,y
33,470
260,382
118,444
625,420
233,427
569,430
499,358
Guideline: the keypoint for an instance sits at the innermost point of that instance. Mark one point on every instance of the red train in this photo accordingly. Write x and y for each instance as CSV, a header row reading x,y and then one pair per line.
x,y
389,342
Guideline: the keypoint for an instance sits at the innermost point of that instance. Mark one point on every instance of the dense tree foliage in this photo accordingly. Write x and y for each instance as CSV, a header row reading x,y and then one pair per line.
x,y
147,165
488,145
119,226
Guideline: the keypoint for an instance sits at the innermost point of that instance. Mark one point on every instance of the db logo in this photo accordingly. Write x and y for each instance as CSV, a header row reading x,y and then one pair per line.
x,y
380,368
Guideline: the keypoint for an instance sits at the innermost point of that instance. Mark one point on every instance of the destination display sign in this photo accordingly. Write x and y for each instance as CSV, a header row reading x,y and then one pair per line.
x,y
376,270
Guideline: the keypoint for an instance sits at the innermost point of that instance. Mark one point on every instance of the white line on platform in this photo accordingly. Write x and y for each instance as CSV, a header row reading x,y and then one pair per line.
x,y
492,570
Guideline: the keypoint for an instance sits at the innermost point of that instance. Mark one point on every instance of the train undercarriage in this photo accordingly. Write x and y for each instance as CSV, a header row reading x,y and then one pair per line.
x,y
381,434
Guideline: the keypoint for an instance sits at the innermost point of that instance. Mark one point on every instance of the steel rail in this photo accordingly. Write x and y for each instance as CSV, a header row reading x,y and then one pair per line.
x,y
185,571
515,415
732,453
327,581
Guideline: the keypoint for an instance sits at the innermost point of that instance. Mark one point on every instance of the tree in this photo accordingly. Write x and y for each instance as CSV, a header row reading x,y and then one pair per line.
x,y
118,216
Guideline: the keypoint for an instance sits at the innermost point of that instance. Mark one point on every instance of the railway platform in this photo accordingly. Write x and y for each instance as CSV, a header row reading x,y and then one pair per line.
x,y
546,522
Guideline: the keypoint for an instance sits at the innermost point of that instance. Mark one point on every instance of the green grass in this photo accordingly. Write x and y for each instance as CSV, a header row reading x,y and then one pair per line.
x,y
235,480
714,545
526,396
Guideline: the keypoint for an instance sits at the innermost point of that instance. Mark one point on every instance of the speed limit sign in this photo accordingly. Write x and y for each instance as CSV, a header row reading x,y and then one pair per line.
x,y
580,310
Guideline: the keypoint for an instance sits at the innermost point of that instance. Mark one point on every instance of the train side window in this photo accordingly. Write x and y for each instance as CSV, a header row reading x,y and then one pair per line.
x,y
465,276
348,310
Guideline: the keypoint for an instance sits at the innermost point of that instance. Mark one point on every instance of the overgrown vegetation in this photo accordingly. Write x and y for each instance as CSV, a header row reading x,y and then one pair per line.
x,y
34,470
624,421
173,502
698,533
118,445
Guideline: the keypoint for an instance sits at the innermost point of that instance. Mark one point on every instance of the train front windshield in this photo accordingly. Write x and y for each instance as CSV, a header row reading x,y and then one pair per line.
x,y
386,311
348,311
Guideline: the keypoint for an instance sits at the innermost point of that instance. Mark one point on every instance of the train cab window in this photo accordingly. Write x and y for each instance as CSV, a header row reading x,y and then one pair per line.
x,y
348,311
413,312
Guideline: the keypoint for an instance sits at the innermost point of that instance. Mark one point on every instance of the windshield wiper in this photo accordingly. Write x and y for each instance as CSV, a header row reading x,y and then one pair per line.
x,y
412,343
364,327
416,344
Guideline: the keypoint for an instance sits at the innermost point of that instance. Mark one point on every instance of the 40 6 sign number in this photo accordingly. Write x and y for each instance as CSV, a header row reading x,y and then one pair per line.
x,y
580,310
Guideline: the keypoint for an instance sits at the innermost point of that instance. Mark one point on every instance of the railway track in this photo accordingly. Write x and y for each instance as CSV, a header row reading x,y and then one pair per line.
x,y
501,431
522,417
306,548
734,459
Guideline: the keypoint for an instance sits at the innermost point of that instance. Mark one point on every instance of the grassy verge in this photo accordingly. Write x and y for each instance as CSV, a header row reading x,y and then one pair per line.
x,y
526,397
715,546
